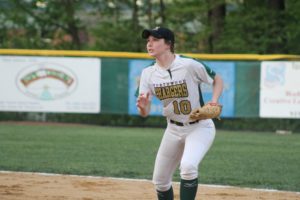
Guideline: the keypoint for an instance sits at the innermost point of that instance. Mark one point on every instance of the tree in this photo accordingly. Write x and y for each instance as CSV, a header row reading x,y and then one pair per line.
x,y
188,20
256,26
122,35
201,26
276,16
292,27
44,24
216,19
162,11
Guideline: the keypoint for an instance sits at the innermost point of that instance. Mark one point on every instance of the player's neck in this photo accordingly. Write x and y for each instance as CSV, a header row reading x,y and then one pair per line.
x,y
165,60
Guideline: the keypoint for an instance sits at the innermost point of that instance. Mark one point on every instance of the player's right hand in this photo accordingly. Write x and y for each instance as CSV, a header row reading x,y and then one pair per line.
x,y
143,100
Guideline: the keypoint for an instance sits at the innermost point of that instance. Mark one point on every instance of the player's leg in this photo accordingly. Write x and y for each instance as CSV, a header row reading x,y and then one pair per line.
x,y
165,195
197,144
167,159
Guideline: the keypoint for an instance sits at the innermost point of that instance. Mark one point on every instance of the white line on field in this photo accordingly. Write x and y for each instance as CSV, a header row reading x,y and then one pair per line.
x,y
144,180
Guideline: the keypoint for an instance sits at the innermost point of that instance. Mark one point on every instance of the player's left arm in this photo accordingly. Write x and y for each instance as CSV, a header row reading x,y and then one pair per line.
x,y
217,88
207,75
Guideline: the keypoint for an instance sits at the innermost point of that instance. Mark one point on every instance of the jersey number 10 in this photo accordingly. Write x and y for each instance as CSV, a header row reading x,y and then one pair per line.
x,y
182,107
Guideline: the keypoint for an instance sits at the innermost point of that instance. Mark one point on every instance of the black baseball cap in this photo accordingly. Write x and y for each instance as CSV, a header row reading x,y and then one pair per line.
x,y
159,32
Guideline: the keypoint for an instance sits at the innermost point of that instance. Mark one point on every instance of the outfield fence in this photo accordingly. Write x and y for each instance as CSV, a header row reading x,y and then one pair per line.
x,y
97,82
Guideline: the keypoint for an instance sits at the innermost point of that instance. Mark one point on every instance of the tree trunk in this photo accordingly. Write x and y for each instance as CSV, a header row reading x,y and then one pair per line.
x,y
149,13
71,24
276,4
216,18
135,20
253,3
277,33
162,11
135,25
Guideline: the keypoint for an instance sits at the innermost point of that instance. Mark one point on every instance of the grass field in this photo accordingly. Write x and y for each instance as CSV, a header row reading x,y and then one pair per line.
x,y
247,159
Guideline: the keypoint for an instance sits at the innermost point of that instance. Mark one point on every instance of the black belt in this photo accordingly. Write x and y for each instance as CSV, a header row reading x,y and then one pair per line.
x,y
182,124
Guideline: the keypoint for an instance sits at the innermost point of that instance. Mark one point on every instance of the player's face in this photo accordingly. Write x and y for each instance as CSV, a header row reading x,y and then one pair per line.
x,y
156,47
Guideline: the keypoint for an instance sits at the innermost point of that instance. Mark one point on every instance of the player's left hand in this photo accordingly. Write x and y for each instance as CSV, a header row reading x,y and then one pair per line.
x,y
208,111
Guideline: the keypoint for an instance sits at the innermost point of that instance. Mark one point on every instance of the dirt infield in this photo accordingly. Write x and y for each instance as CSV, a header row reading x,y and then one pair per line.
x,y
37,186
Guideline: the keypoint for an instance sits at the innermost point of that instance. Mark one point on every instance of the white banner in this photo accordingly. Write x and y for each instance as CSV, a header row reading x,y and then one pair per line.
x,y
280,89
50,84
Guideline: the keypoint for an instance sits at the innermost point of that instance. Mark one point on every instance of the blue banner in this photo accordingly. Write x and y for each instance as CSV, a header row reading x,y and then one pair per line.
x,y
135,70
227,71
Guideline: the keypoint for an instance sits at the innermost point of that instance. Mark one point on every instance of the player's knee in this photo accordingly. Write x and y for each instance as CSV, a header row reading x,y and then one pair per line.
x,y
188,171
162,185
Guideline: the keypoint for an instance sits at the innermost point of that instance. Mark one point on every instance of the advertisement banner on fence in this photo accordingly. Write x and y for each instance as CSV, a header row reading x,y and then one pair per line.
x,y
225,69
50,84
280,89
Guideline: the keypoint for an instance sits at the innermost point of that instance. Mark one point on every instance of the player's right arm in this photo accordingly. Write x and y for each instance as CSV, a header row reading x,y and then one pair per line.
x,y
143,104
143,101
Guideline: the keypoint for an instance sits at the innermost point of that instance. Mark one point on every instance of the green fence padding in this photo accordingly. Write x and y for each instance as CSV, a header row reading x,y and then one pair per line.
x,y
114,86
247,89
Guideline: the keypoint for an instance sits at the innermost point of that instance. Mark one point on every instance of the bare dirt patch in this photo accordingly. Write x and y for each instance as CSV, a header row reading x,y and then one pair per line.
x,y
37,186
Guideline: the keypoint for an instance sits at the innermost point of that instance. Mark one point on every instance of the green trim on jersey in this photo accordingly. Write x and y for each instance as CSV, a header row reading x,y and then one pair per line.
x,y
209,71
200,96
136,94
137,91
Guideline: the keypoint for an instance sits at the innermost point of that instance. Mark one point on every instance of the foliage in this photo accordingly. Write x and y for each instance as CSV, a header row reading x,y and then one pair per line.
x,y
122,41
250,26
255,30
189,24
41,24
292,28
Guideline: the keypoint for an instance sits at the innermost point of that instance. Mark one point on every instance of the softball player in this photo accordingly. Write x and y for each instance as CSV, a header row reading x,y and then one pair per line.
x,y
175,80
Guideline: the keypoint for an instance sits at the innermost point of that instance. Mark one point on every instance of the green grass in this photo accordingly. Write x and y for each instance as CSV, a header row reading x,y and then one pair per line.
x,y
248,159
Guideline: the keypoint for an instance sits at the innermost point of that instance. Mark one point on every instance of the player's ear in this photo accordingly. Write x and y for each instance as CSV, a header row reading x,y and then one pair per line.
x,y
168,42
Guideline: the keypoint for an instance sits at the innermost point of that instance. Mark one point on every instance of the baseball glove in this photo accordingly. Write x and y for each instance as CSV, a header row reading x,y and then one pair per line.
x,y
208,111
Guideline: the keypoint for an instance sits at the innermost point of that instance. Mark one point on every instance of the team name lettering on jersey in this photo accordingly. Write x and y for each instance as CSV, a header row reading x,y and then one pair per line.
x,y
171,90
